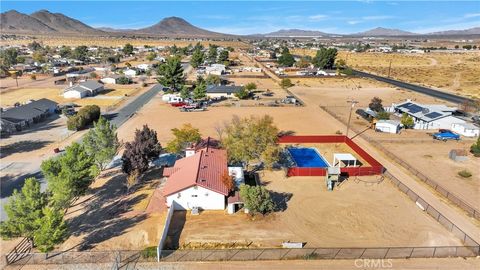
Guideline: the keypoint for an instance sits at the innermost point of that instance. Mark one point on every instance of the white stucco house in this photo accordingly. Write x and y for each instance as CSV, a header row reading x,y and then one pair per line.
x,y
428,116
195,181
130,72
466,129
83,89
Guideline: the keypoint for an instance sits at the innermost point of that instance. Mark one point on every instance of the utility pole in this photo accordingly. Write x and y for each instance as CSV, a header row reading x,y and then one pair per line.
x,y
353,102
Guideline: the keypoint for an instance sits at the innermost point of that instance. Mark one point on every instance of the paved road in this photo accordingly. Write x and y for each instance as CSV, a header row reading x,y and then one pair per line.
x,y
420,89
118,118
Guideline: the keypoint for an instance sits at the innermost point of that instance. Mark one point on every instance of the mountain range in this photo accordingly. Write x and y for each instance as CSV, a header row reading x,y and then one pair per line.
x,y
45,22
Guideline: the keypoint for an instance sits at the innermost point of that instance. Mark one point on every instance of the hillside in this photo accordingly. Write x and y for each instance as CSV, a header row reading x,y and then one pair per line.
x,y
174,26
16,22
62,23
296,33
380,31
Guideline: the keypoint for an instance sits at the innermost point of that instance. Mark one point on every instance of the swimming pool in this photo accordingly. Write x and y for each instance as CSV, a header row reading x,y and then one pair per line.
x,y
307,157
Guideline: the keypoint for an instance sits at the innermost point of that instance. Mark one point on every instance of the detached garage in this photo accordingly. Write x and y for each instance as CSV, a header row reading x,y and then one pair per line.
x,y
388,126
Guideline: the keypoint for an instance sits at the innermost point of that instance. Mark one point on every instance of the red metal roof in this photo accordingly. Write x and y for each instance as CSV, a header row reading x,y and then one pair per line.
x,y
204,169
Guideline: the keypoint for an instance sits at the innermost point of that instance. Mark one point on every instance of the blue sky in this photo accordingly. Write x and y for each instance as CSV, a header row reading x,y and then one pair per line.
x,y
251,17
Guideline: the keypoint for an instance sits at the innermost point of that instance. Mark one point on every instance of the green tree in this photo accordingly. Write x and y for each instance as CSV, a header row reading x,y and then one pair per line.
x,y
80,53
250,139
183,137
151,56
383,115
257,199
8,57
23,209
127,49
223,57
286,83
212,53
213,79
243,93
376,104
101,142
286,59
475,148
197,58
124,80
34,46
200,91
325,58
69,175
250,86
407,121
52,229
185,92
171,74
65,51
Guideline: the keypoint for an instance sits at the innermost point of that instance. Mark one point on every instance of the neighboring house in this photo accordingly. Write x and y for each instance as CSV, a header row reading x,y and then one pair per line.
x,y
112,79
130,72
466,129
427,116
195,181
388,126
215,69
18,118
144,67
83,89
218,91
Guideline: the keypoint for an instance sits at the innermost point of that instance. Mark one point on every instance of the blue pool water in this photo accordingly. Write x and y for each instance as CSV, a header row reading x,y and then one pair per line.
x,y
307,157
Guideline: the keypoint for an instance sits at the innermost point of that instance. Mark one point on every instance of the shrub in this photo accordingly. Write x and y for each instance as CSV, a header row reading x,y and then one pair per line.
x,y
383,115
286,83
257,199
84,117
149,252
243,94
33,77
465,173
250,86
475,148
124,80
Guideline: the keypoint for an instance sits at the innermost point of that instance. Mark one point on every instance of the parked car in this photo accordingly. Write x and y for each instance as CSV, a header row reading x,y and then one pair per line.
x,y
446,135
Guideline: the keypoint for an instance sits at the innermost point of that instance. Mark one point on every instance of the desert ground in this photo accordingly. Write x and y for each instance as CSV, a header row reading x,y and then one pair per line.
x,y
108,100
356,214
359,202
452,72
109,218
431,159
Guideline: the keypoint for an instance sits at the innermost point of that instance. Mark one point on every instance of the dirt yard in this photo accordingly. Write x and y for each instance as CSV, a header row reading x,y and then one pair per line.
x,y
109,219
113,95
452,72
362,212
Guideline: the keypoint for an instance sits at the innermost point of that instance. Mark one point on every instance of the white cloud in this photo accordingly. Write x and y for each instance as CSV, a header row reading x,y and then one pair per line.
x,y
318,17
353,22
471,15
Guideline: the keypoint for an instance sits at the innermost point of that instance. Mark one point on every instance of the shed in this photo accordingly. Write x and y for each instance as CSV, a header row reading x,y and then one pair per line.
x,y
388,126
458,155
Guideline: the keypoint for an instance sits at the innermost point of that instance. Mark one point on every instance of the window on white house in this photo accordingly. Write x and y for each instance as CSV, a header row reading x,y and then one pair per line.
x,y
194,196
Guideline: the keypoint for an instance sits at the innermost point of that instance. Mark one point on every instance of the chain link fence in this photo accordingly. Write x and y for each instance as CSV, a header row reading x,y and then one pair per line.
x,y
119,258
